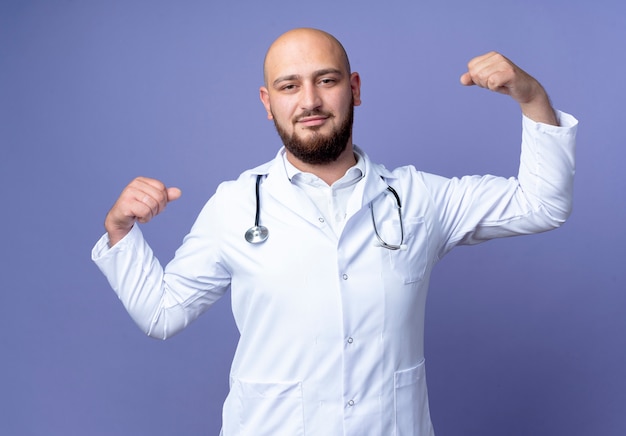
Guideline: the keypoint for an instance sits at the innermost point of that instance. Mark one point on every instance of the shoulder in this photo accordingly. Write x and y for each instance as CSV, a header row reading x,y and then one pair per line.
x,y
245,181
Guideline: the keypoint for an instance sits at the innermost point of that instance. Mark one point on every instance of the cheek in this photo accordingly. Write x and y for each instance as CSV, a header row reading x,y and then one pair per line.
x,y
281,119
281,111
341,104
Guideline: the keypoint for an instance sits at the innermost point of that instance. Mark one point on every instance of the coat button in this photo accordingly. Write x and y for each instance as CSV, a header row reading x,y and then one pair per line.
x,y
351,403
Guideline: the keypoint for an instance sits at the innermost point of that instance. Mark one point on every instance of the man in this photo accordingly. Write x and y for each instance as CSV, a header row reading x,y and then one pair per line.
x,y
330,304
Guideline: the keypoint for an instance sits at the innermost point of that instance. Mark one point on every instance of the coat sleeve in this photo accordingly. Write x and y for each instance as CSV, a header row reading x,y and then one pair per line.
x,y
164,301
474,209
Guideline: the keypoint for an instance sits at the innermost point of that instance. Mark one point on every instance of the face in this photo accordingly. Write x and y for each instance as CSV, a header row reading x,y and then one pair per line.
x,y
310,95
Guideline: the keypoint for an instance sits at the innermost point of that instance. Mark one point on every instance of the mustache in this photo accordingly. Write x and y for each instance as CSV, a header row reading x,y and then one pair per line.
x,y
313,113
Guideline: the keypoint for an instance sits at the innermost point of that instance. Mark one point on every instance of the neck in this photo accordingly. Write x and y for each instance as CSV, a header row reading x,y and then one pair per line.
x,y
329,172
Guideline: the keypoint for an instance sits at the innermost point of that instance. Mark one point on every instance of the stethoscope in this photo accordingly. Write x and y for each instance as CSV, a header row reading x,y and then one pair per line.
x,y
258,234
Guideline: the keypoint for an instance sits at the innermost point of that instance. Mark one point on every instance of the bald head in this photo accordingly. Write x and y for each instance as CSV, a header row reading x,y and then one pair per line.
x,y
298,44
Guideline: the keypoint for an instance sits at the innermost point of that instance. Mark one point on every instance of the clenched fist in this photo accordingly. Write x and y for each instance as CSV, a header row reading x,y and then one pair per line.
x,y
497,73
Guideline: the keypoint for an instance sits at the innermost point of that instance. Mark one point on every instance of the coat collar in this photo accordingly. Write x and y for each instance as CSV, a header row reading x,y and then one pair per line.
x,y
278,185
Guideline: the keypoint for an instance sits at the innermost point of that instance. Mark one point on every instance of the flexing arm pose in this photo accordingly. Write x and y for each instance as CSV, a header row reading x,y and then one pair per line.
x,y
144,198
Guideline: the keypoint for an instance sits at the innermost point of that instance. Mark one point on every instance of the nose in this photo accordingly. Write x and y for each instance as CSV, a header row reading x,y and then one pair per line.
x,y
310,98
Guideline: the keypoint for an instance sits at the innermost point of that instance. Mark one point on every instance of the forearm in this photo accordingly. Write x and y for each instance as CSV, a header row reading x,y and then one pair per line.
x,y
137,278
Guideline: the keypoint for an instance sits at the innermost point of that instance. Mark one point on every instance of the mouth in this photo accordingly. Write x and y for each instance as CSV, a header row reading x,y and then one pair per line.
x,y
314,121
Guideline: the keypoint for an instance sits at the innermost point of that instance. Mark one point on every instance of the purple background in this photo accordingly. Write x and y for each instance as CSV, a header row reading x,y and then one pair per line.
x,y
525,336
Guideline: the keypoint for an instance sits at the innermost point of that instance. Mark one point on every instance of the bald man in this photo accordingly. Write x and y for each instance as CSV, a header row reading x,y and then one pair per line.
x,y
329,286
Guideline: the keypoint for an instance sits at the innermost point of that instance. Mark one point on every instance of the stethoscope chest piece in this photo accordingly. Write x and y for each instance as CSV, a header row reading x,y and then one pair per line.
x,y
257,234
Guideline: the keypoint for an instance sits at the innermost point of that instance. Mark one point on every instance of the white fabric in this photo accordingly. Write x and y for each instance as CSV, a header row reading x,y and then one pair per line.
x,y
331,201
332,326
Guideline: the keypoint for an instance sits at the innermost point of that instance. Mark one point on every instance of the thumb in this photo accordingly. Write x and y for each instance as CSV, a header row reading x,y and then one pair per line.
x,y
466,79
173,194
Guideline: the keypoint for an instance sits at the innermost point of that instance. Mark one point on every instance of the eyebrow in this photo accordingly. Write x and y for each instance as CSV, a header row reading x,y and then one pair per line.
x,y
316,74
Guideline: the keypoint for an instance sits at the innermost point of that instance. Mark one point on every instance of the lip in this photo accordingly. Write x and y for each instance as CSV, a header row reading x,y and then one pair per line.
x,y
312,121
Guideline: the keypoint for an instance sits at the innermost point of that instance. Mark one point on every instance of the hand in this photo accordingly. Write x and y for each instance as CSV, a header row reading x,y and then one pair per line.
x,y
141,200
497,73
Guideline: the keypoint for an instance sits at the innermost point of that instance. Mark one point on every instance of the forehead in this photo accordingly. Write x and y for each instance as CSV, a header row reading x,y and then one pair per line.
x,y
302,53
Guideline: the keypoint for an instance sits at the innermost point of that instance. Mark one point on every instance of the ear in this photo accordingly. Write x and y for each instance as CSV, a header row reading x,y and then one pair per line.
x,y
355,84
265,99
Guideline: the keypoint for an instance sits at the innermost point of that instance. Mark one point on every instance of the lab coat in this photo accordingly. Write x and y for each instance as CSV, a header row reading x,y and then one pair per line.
x,y
332,326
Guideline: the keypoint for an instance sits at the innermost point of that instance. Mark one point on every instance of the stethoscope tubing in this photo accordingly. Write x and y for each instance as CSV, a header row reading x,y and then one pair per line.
x,y
258,234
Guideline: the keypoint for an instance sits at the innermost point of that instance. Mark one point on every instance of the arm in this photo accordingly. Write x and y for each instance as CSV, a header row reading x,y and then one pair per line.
x,y
476,209
497,73
130,266
163,302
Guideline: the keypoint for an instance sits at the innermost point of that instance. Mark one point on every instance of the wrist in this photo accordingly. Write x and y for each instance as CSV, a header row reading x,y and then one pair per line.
x,y
115,231
539,108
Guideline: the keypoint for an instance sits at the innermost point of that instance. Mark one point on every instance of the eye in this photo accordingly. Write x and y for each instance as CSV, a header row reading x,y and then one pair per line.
x,y
288,87
327,81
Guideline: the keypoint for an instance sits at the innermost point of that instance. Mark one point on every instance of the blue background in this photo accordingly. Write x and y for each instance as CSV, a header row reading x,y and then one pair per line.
x,y
525,336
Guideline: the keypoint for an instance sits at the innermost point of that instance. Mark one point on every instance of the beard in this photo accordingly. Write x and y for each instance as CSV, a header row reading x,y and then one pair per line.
x,y
319,149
